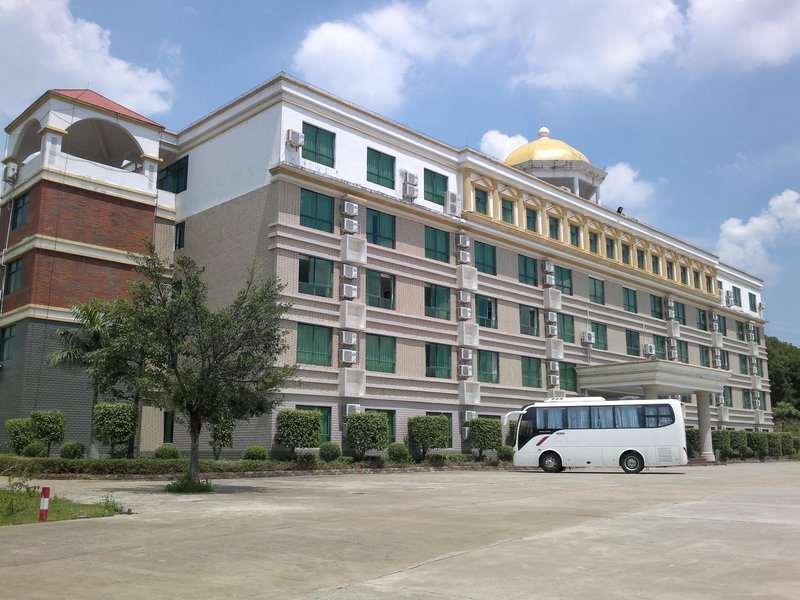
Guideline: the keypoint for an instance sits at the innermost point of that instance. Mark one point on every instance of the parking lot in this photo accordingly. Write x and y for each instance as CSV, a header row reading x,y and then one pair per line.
x,y
695,532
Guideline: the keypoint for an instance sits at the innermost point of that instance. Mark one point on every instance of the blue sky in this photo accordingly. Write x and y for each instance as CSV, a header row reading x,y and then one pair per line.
x,y
691,105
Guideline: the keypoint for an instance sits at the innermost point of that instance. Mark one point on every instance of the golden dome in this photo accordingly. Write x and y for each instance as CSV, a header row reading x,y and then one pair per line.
x,y
545,148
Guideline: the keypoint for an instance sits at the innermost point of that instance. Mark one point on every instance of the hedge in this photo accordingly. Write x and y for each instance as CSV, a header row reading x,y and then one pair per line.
x,y
758,441
787,443
485,434
774,445
428,432
739,447
721,439
115,424
693,442
367,431
298,429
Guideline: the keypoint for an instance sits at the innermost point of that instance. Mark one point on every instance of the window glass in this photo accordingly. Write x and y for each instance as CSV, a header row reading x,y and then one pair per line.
x,y
435,187
602,417
531,372
626,416
593,242
315,276
554,226
530,219
611,249
380,290
597,291
488,367
380,353
437,244
578,417
600,331
391,421
568,376
564,280
380,228
486,311
380,168
640,259
528,320
318,145
173,178
180,235
13,276
437,360
19,211
574,235
437,301
629,300
566,328
316,210
507,208
7,343
656,307
632,346
527,269
626,254
485,258
481,204
314,344
325,421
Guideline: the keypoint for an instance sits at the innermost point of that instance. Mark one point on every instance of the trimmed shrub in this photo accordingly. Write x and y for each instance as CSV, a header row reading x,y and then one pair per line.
x,y
254,453
693,442
221,435
721,438
757,440
739,447
329,451
459,458
115,424
367,431
398,453
787,444
306,461
19,433
72,449
187,485
437,460
167,452
505,453
428,432
35,450
374,462
774,445
796,444
298,429
485,434
511,434
49,426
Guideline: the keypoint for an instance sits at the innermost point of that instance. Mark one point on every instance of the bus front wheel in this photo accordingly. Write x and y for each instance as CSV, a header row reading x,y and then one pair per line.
x,y
631,462
550,462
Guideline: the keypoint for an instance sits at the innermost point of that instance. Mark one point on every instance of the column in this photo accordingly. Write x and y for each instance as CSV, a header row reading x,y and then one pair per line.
x,y
704,425
650,392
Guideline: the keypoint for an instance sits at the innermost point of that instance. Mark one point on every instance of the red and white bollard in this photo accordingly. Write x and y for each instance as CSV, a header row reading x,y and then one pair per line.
x,y
44,503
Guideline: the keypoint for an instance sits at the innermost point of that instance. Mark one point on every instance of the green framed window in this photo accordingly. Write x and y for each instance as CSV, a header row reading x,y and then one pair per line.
x,y
566,327
19,211
660,342
568,376
670,270
325,421
680,313
626,254
7,343
530,219
746,402
391,421
481,203
727,396
740,331
656,307
437,301
507,211
656,264
486,311
314,344
380,228
724,360
743,368
564,280
527,269
486,258
318,144
380,168
722,322
554,228
574,236
437,244
13,276
316,210
435,187
757,334
640,259
180,235
437,360
315,276
594,242
488,367
632,343
175,177
683,351
702,319
696,279
737,296
450,422
611,249
380,290
705,356
531,372
710,285
528,320
629,300
752,301
597,291
600,331
381,353
684,275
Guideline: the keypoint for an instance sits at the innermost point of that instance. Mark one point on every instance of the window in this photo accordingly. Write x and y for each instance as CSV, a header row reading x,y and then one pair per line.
x,y
485,258
696,279
486,311
740,331
316,210
656,260
660,342
709,284
724,360
656,307
528,320
7,343
173,178
593,242
313,345
705,356
723,324
527,269
752,299
180,235
702,319
488,367
566,328
437,301
640,259
553,227
507,209
568,376
380,353
19,211
380,168
437,244
450,424
530,219
611,249
380,228
480,201
600,331
626,254
380,290
746,399
318,145
684,275
435,187
680,313
632,346
325,421
574,235
743,368
316,276
597,290
683,351
13,276
437,360
169,427
391,421
564,280
760,364
531,372
670,270
629,301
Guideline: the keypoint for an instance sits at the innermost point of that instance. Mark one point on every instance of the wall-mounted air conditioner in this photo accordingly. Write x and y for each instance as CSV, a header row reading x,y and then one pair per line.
x,y
349,209
672,354
349,291
649,350
463,257
552,380
410,192
10,173
465,370
351,409
409,178
348,338
349,271
465,354
462,240
453,204
464,313
348,356
349,225
552,366
470,415
550,316
549,280
551,331
588,337
464,297
549,267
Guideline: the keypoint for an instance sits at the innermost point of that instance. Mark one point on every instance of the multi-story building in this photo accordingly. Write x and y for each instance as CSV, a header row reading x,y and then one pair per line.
x,y
430,279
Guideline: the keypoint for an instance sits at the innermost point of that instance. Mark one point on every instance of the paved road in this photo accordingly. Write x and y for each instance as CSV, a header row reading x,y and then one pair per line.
x,y
704,532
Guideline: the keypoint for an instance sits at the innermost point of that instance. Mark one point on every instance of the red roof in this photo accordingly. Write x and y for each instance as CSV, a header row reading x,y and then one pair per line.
x,y
95,99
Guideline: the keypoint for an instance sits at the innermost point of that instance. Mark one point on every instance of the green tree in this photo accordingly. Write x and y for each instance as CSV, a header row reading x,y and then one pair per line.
x,y
785,415
298,429
48,426
784,371
367,431
426,432
115,424
485,434
221,435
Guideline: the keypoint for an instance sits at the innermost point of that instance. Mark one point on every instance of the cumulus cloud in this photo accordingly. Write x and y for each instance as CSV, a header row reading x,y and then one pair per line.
x,y
745,244
45,46
623,187
501,145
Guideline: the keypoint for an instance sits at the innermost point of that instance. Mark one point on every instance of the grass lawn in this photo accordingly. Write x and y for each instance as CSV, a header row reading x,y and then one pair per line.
x,y
18,507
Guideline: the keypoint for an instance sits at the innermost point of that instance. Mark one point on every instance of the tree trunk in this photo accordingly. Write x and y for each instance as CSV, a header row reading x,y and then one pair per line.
x,y
132,441
94,452
194,454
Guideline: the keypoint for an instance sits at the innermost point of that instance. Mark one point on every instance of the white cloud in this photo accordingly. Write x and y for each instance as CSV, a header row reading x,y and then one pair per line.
x,y
745,244
622,187
742,33
45,46
501,145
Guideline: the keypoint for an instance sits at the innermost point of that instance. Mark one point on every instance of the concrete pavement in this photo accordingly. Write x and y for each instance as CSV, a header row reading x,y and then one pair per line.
x,y
704,532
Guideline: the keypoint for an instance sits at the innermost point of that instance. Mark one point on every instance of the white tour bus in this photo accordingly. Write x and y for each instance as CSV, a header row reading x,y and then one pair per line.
x,y
595,432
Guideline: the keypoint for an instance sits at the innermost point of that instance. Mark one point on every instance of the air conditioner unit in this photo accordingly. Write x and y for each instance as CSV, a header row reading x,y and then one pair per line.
x,y
349,209
410,178
551,331
549,280
714,317
672,354
348,338
453,204
462,241
465,354
750,337
672,343
348,356
349,271
470,415
670,313
754,361
464,313
552,380
10,173
464,257
649,350
552,366
464,297
588,337
294,138
716,363
550,316
349,291
351,409
670,303
410,191
728,298
715,326
350,226
549,267
465,370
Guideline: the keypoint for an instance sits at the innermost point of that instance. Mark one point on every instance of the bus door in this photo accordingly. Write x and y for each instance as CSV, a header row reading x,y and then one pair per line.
x,y
551,426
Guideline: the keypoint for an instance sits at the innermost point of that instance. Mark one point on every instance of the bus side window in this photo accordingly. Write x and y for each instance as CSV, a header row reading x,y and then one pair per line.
x,y
549,420
627,417
602,417
578,417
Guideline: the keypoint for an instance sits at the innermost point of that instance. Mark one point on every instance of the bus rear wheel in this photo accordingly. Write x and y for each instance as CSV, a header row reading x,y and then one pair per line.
x,y
631,462
550,462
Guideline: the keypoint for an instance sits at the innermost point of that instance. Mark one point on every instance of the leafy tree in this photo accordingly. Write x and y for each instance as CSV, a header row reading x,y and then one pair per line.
x,y
784,371
115,424
48,426
19,433
485,434
426,432
298,429
221,435
367,431
785,413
